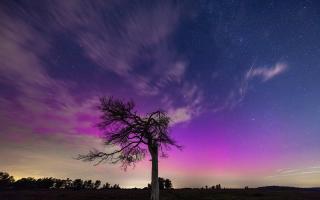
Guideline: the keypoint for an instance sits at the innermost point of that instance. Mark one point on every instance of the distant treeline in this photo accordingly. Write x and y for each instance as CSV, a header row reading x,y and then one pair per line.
x,y
8,182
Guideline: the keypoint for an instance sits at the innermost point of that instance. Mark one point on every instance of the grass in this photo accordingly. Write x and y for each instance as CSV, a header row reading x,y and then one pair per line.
x,y
183,194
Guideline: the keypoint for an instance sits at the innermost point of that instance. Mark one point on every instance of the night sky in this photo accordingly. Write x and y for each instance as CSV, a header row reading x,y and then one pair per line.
x,y
240,80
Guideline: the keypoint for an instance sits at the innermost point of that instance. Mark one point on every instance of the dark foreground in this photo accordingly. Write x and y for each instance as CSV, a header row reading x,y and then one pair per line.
x,y
188,194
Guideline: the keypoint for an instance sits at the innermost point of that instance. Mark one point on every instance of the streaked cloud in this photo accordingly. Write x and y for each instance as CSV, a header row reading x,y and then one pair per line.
x,y
237,95
180,115
124,43
313,170
266,73
37,100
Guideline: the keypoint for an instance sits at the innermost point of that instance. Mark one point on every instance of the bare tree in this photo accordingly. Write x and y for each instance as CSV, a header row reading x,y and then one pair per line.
x,y
133,136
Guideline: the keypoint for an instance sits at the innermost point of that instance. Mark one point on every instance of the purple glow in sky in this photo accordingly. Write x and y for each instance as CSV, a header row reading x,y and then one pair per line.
x,y
240,81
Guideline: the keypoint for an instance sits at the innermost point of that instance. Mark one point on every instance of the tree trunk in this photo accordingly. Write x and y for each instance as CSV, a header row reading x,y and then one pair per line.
x,y
154,174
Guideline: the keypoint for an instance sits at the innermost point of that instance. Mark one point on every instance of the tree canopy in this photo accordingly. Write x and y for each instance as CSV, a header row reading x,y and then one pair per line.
x,y
132,134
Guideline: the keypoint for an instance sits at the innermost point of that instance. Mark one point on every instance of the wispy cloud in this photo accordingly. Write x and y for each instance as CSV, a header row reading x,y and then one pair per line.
x,y
135,45
40,101
35,102
180,115
267,73
313,170
237,95
191,104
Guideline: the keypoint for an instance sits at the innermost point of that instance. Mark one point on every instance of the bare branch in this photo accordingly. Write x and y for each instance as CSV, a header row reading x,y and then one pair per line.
x,y
133,134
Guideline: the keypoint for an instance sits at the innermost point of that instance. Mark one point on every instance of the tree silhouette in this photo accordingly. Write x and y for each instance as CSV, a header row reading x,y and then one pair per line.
x,y
25,183
134,135
77,184
97,184
106,186
5,180
58,183
8,182
161,183
68,183
45,183
88,184
168,184
116,186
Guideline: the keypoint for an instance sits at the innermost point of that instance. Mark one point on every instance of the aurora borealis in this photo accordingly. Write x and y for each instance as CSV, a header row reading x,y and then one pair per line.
x,y
240,80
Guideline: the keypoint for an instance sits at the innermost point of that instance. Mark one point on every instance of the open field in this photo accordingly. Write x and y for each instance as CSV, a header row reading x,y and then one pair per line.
x,y
183,194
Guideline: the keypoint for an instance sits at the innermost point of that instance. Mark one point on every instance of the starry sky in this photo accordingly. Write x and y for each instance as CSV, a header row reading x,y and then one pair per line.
x,y
240,80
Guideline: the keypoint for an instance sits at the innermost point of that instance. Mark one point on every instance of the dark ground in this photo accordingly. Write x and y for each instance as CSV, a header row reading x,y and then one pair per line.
x,y
187,194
